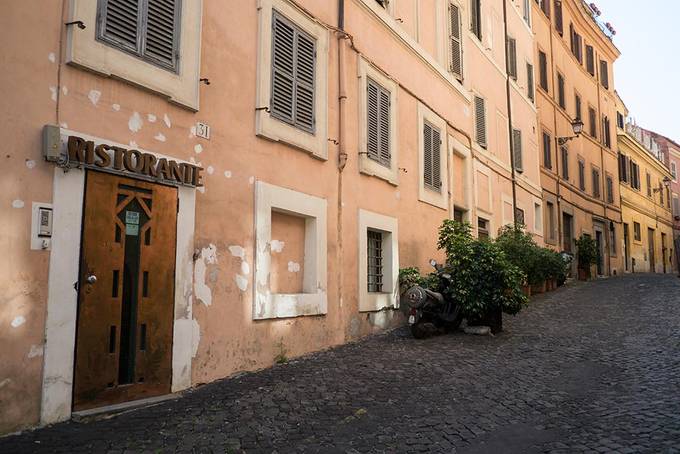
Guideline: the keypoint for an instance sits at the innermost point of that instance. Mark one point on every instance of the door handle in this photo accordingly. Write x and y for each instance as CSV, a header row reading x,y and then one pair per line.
x,y
91,279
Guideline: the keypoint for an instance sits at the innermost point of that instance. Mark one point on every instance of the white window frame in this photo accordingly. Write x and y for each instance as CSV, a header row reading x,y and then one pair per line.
x,y
84,50
538,216
438,199
313,299
388,226
266,125
367,165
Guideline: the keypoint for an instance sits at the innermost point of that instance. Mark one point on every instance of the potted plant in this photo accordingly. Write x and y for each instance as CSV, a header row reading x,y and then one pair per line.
x,y
587,255
520,250
484,282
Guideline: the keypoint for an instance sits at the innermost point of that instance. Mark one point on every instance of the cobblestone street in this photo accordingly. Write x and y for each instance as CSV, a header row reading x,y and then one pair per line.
x,y
589,368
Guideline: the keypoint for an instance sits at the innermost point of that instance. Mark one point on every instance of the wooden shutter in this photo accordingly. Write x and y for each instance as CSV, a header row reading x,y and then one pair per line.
x,y
160,37
517,149
649,185
547,151
581,176
378,123
590,60
577,105
475,18
596,183
593,122
604,74
543,70
305,55
120,22
559,25
531,91
565,162
610,190
512,57
480,121
431,157
456,42
560,90
293,73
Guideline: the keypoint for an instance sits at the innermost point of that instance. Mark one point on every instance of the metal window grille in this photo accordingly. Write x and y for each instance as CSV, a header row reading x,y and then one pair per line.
x,y
293,74
375,261
378,123
148,29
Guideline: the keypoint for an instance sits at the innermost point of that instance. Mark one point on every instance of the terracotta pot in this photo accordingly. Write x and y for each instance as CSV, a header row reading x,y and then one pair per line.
x,y
538,288
582,275
526,289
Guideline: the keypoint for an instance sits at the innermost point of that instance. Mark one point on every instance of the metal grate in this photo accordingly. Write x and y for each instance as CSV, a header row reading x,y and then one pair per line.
x,y
375,261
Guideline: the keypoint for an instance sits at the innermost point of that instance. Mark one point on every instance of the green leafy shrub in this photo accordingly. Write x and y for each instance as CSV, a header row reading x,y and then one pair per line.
x,y
587,252
482,278
522,251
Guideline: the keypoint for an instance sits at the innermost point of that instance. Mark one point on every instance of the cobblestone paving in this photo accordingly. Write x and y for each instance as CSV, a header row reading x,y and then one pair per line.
x,y
589,368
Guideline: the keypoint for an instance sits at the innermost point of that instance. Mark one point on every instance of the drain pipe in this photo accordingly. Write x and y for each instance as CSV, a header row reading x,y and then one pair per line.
x,y
507,94
342,153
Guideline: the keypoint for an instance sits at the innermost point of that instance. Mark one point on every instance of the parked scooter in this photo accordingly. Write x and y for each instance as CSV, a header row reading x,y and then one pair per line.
x,y
431,311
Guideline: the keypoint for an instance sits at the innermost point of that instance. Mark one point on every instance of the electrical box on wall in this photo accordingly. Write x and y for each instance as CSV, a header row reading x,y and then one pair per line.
x,y
41,226
51,142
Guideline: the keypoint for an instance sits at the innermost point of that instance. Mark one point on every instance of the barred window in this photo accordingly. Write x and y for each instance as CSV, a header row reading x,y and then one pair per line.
x,y
375,261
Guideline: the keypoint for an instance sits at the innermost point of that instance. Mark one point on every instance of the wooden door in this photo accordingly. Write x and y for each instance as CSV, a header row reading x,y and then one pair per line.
x,y
652,259
126,291
663,251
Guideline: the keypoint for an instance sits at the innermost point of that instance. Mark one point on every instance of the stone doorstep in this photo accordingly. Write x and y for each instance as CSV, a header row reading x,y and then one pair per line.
x,y
110,411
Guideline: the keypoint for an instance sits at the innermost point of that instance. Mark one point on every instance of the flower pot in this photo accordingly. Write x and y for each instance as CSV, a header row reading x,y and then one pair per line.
x,y
526,289
538,288
582,274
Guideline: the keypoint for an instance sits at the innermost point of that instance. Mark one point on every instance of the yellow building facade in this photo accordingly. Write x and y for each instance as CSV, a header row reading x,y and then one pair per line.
x,y
645,202
575,56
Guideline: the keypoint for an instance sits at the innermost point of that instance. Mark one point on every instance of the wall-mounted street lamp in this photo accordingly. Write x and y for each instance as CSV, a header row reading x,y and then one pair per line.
x,y
666,183
577,127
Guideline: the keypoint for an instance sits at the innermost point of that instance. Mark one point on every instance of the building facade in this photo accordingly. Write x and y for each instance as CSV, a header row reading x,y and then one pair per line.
x,y
646,200
575,56
191,193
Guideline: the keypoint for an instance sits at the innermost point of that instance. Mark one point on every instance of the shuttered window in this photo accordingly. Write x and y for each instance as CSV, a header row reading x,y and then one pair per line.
x,y
560,91
596,183
531,90
577,106
610,189
480,121
590,60
455,42
547,151
545,6
432,143
148,29
582,175
604,74
527,12
565,162
649,185
476,18
378,123
517,149
607,133
623,168
543,70
559,23
512,57
676,206
592,117
293,73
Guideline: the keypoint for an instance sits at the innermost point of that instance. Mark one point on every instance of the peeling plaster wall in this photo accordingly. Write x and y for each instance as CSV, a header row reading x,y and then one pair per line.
x,y
218,311
287,253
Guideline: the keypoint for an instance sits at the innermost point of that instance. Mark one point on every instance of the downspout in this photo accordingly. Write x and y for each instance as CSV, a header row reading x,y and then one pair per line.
x,y
507,94
342,154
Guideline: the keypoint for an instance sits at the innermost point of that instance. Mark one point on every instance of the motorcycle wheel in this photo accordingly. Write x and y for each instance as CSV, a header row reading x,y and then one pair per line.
x,y
421,330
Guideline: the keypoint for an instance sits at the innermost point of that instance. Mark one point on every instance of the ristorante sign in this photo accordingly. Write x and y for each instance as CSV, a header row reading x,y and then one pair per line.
x,y
123,160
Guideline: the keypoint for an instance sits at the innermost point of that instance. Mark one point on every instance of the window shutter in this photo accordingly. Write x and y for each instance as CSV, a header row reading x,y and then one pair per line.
x,y
283,85
305,53
676,206
480,121
560,90
475,18
162,21
582,175
596,184
121,22
293,74
593,122
610,190
565,163
436,160
372,114
559,26
649,185
543,70
455,37
577,104
512,58
531,92
378,123
547,151
517,149
604,74
590,60
431,157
